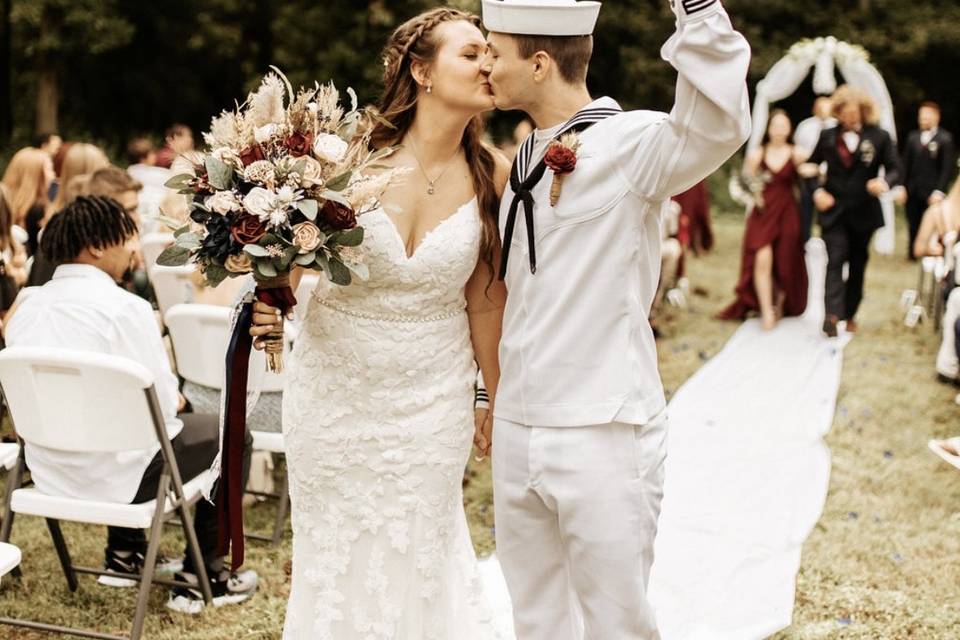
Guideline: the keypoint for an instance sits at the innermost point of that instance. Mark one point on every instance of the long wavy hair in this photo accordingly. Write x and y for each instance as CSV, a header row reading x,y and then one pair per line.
x,y
844,95
82,159
416,40
25,181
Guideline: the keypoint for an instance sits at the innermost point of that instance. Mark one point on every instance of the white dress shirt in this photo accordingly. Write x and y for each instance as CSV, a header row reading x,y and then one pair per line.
x,y
577,347
851,139
927,135
83,308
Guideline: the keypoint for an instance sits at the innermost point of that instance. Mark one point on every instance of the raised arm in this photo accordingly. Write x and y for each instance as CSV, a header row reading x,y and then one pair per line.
x,y
710,119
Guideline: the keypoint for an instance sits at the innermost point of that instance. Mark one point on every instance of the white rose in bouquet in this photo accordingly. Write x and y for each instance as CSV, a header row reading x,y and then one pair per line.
x,y
312,172
222,202
329,147
260,202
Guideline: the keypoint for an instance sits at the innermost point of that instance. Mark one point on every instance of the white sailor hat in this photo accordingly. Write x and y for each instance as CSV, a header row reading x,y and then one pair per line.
x,y
541,17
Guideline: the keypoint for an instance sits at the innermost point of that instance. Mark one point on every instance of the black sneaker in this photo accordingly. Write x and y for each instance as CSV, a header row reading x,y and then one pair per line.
x,y
132,562
227,588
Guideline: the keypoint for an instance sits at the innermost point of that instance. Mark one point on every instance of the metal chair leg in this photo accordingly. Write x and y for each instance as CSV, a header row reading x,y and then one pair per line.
x,y
63,553
149,564
193,545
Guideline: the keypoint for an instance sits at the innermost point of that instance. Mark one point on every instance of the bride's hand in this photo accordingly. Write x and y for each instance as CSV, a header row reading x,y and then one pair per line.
x,y
265,320
483,433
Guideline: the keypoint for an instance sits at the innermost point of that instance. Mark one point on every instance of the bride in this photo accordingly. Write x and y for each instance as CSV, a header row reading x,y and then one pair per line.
x,y
378,409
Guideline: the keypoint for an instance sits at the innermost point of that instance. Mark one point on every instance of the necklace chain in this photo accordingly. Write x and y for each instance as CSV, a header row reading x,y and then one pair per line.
x,y
431,184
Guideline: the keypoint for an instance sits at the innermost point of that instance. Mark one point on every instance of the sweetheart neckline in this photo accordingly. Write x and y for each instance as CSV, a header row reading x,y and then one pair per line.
x,y
416,250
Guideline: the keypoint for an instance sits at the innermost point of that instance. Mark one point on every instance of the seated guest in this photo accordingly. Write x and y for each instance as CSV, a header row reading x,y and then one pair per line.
x,y
938,222
13,257
143,160
671,261
93,240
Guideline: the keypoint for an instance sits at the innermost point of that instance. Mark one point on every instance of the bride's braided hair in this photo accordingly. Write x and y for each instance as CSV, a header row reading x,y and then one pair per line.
x,y
415,40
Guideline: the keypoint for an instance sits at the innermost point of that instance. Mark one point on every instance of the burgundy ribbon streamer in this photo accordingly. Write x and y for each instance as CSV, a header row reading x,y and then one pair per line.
x,y
230,487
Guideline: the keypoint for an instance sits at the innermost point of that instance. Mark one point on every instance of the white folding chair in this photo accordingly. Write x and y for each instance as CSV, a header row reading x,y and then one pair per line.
x,y
104,404
200,334
152,245
9,558
172,286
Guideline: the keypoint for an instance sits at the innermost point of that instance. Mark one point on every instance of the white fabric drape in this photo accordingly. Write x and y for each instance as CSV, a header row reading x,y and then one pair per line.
x,y
746,477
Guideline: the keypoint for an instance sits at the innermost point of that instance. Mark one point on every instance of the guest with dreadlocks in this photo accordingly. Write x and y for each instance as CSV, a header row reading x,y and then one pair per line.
x,y
94,240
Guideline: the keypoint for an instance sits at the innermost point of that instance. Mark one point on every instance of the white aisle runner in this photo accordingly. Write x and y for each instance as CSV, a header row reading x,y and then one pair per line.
x,y
746,477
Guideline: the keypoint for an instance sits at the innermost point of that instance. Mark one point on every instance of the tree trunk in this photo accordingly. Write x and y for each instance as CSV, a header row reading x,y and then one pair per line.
x,y
6,80
48,91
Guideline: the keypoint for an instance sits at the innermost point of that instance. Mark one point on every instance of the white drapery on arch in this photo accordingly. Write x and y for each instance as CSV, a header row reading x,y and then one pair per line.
x,y
824,56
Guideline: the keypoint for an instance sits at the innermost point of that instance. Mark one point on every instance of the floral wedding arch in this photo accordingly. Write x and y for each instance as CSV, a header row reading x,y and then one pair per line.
x,y
825,56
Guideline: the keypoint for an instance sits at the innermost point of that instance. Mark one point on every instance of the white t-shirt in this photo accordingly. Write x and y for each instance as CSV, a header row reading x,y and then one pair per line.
x,y
83,308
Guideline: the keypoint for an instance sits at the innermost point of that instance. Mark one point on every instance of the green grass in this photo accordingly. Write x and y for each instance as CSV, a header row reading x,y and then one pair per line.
x,y
891,570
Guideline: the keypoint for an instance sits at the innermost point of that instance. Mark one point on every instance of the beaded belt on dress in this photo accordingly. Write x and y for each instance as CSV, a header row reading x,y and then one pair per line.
x,y
451,312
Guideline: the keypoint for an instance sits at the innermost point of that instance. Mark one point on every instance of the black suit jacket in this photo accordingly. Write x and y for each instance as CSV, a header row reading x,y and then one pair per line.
x,y
928,168
855,207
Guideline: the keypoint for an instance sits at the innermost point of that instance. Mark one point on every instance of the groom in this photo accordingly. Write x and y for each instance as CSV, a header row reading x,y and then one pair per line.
x,y
580,428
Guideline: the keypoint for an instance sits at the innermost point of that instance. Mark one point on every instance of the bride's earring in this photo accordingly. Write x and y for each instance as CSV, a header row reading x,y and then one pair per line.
x,y
429,88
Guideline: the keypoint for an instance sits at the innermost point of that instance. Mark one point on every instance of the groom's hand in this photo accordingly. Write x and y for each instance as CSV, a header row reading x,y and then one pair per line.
x,y
483,432
265,320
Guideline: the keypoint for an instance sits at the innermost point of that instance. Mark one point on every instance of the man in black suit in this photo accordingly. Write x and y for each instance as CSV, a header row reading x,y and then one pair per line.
x,y
848,204
928,163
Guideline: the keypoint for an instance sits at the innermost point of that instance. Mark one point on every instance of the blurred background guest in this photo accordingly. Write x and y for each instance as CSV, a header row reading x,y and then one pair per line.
x,y
177,141
81,159
27,181
143,167
773,275
806,137
929,160
695,218
855,151
13,257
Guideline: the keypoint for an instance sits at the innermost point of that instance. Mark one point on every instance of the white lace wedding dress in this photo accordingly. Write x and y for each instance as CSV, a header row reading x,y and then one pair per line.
x,y
378,427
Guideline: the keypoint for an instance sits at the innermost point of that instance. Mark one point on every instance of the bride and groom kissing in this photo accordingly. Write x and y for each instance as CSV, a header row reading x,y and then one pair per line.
x,y
542,275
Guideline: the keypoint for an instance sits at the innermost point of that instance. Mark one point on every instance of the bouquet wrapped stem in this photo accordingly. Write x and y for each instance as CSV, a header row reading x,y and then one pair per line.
x,y
275,292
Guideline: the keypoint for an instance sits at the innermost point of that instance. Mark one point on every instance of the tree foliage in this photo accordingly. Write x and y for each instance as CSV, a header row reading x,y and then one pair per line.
x,y
127,68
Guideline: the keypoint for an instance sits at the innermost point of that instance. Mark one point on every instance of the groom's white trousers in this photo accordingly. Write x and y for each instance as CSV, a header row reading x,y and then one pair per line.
x,y
576,516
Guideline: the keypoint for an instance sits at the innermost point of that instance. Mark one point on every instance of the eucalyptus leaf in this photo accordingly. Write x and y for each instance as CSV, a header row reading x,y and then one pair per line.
x,y
323,262
178,182
256,251
189,240
339,273
307,259
309,208
182,230
350,238
219,174
340,182
174,256
215,274
266,269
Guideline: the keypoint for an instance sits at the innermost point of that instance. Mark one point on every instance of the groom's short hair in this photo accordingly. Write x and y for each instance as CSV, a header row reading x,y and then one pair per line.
x,y
571,53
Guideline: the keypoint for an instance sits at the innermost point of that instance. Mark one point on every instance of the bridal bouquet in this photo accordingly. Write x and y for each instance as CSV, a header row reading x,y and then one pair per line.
x,y
282,186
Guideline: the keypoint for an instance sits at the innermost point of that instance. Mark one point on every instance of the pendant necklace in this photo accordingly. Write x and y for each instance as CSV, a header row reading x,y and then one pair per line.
x,y
431,184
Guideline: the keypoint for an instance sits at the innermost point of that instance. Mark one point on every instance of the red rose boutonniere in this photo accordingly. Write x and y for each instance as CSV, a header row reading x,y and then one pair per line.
x,y
561,158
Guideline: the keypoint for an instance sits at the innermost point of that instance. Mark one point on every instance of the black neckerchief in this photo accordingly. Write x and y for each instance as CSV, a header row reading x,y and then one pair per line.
x,y
523,183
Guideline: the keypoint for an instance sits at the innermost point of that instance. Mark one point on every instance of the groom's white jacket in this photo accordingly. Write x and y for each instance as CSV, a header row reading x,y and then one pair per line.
x,y
577,347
